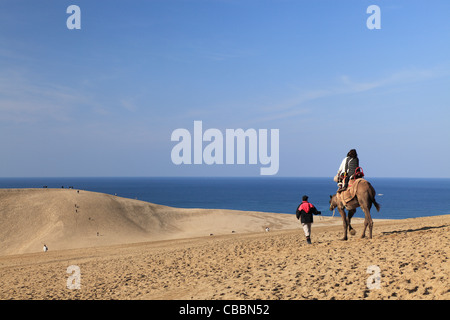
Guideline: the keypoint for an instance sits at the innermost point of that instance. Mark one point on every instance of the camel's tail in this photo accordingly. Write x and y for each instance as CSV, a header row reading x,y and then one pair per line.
x,y
377,205
372,196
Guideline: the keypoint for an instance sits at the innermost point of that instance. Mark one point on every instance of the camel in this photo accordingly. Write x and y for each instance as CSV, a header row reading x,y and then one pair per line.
x,y
364,197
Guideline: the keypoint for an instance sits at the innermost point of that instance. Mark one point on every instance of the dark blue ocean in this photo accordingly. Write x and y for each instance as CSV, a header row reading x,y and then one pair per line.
x,y
399,197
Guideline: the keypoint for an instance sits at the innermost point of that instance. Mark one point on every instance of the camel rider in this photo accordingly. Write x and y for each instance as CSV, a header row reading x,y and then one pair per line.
x,y
347,169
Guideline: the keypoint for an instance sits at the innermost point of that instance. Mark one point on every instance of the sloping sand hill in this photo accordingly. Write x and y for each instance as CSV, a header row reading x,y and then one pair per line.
x,y
69,218
147,251
411,258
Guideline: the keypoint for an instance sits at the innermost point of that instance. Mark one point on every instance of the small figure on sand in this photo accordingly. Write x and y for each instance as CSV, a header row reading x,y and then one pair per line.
x,y
45,248
305,213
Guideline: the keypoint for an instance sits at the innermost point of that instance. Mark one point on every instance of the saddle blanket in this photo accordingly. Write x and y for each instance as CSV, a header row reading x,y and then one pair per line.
x,y
350,193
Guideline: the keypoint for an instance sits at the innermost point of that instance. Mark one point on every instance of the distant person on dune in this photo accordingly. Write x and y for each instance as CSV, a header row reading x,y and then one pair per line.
x,y
305,213
45,248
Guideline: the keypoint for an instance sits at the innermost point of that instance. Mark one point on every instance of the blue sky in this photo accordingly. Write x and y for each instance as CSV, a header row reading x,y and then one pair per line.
x,y
104,100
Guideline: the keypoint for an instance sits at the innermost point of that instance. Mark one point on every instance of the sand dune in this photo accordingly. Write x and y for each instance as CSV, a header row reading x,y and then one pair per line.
x,y
146,251
69,218
412,257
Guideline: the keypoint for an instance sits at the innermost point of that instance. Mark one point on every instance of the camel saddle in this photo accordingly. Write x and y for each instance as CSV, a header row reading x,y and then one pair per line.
x,y
350,193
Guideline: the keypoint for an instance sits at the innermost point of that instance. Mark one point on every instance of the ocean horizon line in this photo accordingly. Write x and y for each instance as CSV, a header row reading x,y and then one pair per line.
x,y
209,177
398,197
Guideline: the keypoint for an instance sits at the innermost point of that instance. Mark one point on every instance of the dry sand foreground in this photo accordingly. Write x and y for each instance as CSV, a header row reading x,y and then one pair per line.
x,y
412,256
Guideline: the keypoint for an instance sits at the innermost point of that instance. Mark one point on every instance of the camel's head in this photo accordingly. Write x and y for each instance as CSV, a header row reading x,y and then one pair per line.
x,y
333,202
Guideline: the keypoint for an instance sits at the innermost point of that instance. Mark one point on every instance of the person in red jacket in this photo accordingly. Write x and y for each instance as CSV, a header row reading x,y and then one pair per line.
x,y
305,213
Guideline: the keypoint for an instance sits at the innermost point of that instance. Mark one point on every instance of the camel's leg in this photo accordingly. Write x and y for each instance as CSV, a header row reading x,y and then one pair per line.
x,y
344,220
350,214
367,222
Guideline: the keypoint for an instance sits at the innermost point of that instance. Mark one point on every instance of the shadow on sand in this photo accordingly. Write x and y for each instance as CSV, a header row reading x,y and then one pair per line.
x,y
413,230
